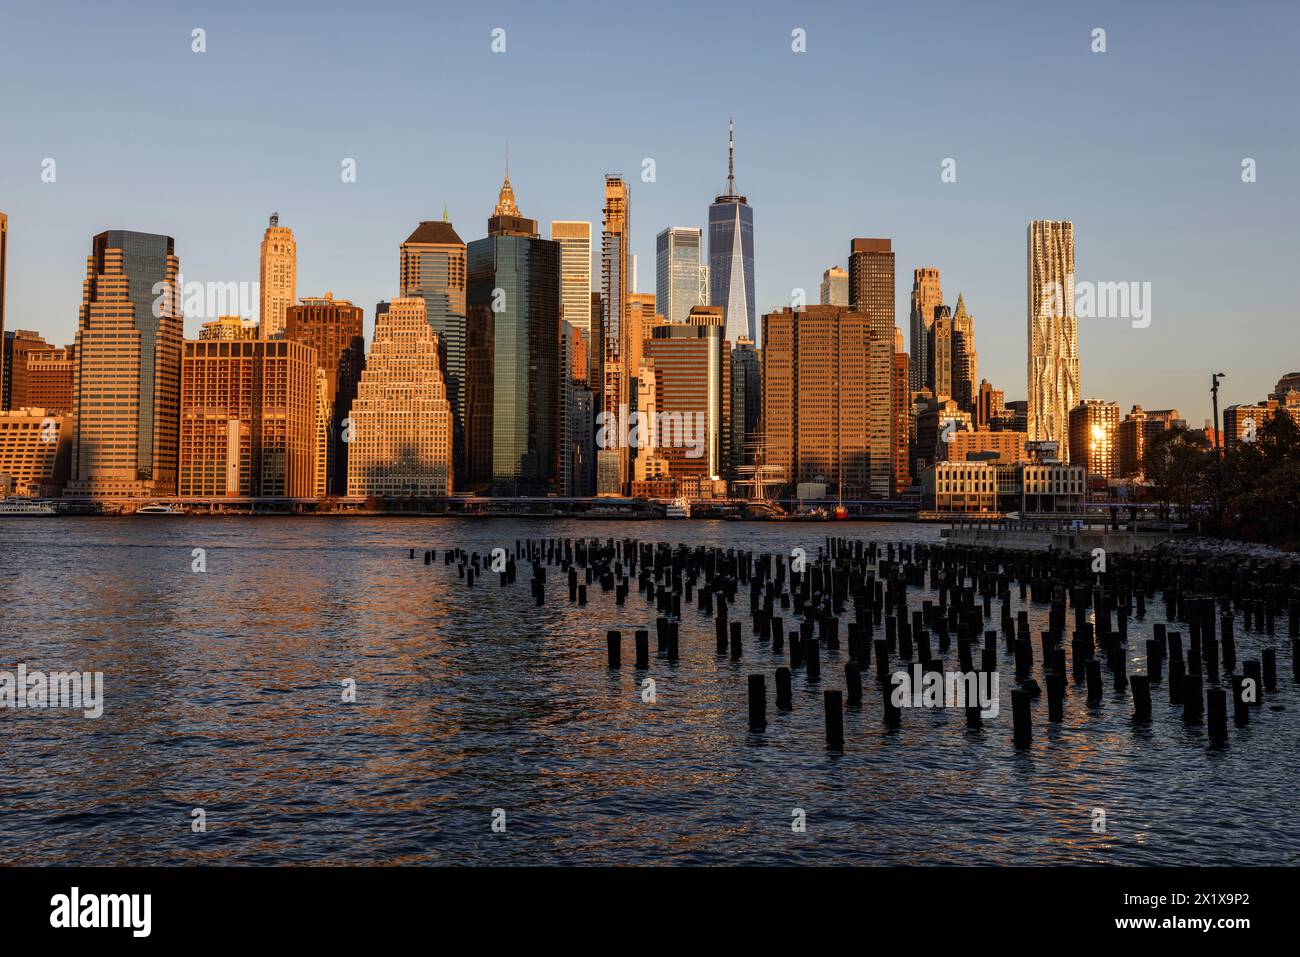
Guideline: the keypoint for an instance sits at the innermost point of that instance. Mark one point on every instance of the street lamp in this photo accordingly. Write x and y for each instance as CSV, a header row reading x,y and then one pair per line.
x,y
1218,455
1214,398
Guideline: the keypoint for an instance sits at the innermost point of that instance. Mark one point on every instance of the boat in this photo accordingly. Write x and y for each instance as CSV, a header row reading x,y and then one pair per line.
x,y
16,507
678,508
156,509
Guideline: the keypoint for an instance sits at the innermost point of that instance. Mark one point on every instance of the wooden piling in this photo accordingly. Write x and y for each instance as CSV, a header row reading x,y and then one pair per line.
x,y
834,707
1020,716
1141,686
757,703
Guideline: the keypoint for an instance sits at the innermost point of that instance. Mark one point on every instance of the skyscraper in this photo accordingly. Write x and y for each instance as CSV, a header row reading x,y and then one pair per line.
x,y
871,283
401,417
746,402
1053,333
1094,428
613,473
50,375
940,357
19,345
514,285
681,281
278,276
927,295
247,418
901,417
828,378
574,238
126,396
4,263
835,287
965,360
332,328
731,255
577,428
433,267
692,373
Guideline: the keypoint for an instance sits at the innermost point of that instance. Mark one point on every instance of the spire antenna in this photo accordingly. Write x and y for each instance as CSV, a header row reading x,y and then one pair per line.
x,y
731,158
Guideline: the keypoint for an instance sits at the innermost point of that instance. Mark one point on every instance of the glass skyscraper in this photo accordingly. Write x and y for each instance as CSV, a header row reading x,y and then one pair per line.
x,y
731,256
514,316
681,281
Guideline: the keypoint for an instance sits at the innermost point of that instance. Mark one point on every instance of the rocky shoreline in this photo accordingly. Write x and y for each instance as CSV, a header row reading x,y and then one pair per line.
x,y
1203,547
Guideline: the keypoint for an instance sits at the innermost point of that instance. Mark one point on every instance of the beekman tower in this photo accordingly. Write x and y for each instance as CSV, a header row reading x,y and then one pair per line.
x,y
731,254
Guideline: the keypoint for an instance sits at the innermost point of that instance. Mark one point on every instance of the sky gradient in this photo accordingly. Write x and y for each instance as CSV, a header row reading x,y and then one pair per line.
x,y
1140,146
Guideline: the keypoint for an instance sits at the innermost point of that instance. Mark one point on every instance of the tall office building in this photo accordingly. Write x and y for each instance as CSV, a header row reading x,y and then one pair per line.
x,y
692,373
596,351
577,415
901,418
126,397
927,295
19,345
34,451
278,276
835,287
746,402
1053,333
965,360
514,287
681,279
574,238
871,282
940,358
50,374
613,464
828,378
434,268
4,266
990,411
332,328
247,418
401,418
731,255
1094,428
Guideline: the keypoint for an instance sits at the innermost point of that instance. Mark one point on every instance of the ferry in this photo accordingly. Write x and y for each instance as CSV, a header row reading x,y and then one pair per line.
x,y
678,508
159,510
14,506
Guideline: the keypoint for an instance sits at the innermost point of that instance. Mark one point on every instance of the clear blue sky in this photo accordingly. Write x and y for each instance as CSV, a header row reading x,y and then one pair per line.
x,y
1140,146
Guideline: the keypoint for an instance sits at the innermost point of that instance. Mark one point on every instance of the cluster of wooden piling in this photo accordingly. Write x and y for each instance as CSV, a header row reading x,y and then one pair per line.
x,y
797,606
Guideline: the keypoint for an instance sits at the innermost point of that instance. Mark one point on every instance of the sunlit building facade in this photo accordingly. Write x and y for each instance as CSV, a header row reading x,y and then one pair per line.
x,y
333,329
1053,333
126,393
278,276
1094,431
248,419
401,421
574,237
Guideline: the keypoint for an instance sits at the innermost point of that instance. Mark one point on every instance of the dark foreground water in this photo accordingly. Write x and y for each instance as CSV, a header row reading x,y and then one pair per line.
x,y
223,692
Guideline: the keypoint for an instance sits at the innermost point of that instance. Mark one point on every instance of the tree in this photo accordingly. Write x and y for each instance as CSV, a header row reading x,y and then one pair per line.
x,y
1177,463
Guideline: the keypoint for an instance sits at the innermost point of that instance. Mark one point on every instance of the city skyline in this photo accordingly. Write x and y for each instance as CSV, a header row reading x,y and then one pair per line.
x,y
1176,214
